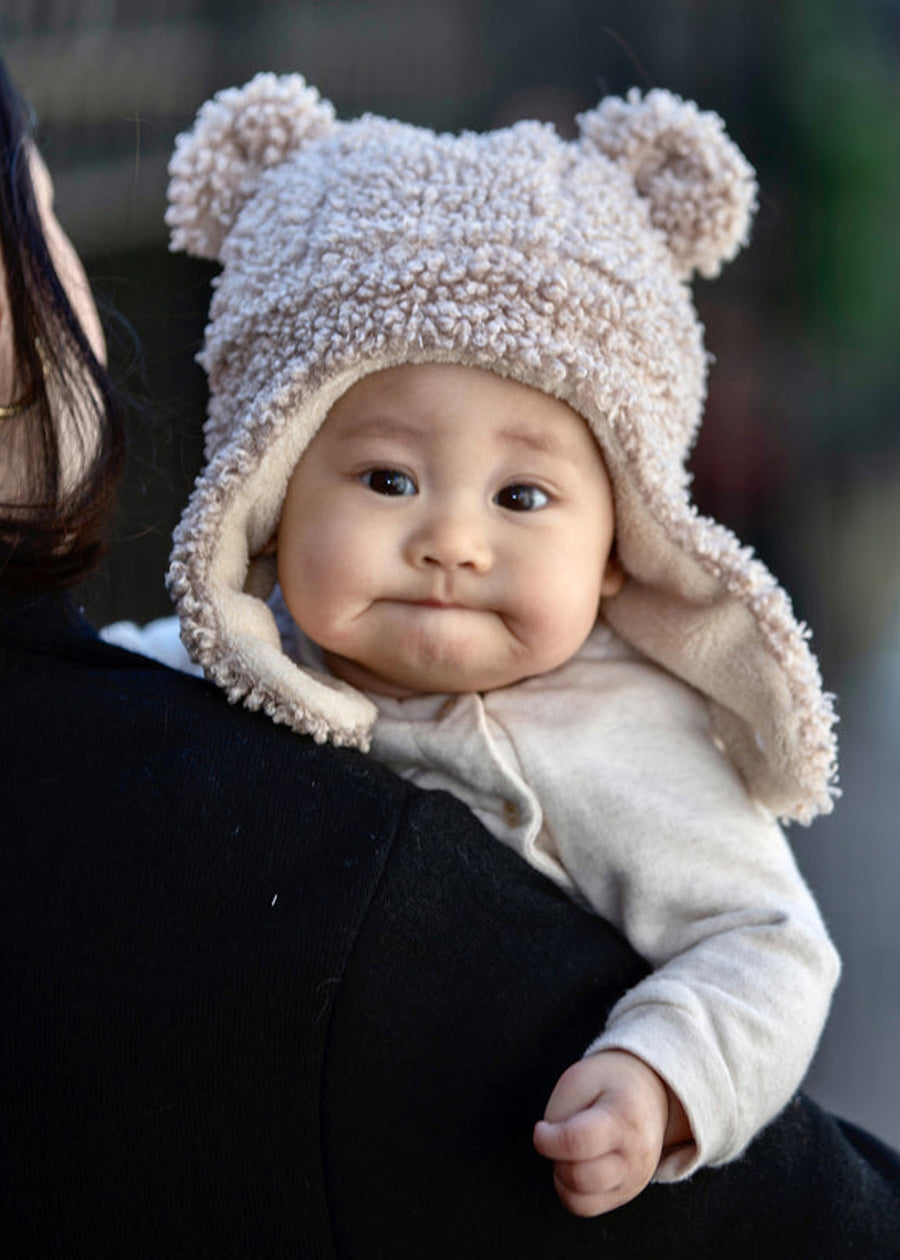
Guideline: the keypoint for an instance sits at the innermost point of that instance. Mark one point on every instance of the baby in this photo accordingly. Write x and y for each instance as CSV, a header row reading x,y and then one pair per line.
x,y
453,385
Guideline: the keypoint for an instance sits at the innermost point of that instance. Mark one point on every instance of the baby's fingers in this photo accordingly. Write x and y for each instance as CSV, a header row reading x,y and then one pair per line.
x,y
588,1135
592,1187
598,1163
578,1088
589,1171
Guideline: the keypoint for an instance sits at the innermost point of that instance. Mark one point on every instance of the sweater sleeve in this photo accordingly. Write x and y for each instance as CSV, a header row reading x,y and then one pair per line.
x,y
658,834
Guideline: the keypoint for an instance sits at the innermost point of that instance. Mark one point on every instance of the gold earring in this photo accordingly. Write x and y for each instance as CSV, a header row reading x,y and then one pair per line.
x,y
9,410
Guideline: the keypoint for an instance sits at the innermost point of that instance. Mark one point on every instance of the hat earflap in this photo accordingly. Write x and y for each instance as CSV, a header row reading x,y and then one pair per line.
x,y
700,187
236,136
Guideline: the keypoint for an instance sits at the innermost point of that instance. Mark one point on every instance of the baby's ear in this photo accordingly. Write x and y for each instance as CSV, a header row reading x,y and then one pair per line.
x,y
700,187
236,136
613,576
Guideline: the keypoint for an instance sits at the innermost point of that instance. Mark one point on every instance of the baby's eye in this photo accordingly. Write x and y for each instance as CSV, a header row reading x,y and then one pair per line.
x,y
389,481
521,498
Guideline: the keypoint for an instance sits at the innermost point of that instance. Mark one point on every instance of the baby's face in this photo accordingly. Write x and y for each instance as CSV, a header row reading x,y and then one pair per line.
x,y
447,530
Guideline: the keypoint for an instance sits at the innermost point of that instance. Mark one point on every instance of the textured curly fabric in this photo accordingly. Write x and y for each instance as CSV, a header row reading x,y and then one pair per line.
x,y
349,247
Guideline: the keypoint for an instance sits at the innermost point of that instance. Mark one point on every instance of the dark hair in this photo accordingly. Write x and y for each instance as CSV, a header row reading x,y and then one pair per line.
x,y
52,532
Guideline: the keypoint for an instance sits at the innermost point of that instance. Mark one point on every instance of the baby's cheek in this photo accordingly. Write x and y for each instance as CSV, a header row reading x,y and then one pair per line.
x,y
562,615
341,571
344,570
300,574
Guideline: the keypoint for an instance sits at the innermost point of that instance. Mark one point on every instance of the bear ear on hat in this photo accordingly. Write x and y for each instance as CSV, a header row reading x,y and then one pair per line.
x,y
236,136
700,188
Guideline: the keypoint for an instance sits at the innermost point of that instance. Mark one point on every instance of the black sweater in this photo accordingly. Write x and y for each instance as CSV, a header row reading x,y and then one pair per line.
x,y
261,998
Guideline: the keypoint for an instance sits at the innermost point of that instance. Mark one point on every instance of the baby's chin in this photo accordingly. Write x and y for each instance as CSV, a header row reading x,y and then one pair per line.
x,y
405,679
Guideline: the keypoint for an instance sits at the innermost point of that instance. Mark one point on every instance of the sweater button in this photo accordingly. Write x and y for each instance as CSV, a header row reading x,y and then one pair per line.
x,y
511,814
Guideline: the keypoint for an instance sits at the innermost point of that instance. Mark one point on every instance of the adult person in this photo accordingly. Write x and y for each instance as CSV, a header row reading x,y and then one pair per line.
x,y
259,997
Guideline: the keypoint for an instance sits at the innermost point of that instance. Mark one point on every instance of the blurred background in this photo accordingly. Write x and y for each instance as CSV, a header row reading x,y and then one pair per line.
x,y
800,452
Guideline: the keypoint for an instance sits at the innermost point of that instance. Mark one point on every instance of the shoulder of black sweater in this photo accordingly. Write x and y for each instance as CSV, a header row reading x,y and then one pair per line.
x,y
181,885
129,724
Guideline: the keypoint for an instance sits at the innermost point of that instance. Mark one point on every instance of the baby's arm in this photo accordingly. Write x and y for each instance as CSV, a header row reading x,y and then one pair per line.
x,y
655,829
606,1124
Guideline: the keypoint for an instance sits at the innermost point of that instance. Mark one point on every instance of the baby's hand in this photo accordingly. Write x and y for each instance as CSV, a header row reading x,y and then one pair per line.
x,y
604,1128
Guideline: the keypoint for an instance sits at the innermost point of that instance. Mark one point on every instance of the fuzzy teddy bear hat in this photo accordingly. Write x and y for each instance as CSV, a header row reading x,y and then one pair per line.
x,y
349,247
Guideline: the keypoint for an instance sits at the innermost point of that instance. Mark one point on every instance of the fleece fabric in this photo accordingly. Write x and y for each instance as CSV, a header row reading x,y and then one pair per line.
x,y
349,247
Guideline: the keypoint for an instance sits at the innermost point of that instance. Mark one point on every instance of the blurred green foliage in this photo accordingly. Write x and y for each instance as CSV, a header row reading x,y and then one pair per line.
x,y
843,101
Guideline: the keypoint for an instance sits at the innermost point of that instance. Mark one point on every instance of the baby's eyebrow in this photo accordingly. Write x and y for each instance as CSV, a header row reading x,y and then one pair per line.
x,y
379,427
384,426
536,440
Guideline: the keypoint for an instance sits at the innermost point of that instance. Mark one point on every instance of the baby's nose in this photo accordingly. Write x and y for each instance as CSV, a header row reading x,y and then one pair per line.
x,y
451,540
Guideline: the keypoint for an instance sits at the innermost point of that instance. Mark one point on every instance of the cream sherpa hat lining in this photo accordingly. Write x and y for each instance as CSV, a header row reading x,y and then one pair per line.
x,y
348,247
